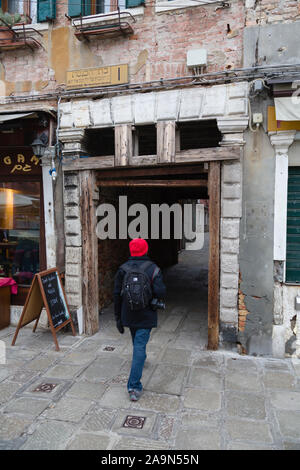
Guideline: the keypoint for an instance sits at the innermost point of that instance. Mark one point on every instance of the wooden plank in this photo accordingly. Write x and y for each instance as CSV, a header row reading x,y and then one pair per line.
x,y
90,163
166,141
208,154
123,144
156,183
165,170
90,292
214,255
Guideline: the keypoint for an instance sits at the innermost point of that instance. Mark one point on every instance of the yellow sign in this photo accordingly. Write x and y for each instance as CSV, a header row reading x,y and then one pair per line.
x,y
274,125
102,76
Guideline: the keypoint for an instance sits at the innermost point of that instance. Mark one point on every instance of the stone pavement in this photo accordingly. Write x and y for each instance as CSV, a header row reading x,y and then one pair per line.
x,y
193,398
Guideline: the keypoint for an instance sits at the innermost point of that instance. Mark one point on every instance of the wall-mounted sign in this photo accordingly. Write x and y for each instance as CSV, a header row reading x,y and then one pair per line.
x,y
18,161
100,76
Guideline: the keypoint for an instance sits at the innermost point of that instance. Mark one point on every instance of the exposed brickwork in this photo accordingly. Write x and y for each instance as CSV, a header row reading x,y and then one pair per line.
x,y
156,50
271,11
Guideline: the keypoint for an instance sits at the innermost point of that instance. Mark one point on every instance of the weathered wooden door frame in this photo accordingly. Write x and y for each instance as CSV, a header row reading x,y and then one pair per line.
x,y
214,193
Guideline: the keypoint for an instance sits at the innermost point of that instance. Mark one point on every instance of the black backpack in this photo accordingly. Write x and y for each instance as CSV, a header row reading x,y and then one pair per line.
x,y
137,285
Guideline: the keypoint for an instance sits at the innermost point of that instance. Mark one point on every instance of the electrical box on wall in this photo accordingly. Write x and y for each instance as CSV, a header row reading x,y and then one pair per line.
x,y
196,58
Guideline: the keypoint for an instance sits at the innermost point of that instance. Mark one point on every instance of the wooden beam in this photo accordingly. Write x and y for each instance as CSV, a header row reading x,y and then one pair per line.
x,y
156,183
123,144
166,141
90,287
208,154
214,255
154,171
184,157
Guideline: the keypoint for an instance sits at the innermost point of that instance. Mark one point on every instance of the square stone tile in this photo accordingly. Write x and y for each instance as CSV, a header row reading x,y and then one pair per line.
x,y
148,425
289,423
243,430
88,441
279,380
68,409
8,390
177,356
87,390
27,406
115,397
207,360
245,405
61,386
168,379
204,400
237,380
103,368
12,427
78,357
286,400
200,439
158,402
132,443
204,378
40,363
49,435
193,420
99,419
63,371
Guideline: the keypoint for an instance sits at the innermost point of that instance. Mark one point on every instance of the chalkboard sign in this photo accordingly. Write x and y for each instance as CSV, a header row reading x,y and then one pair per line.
x,y
46,291
55,298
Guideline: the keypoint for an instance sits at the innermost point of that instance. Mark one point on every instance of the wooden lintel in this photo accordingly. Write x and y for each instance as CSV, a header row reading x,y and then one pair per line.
x,y
183,157
157,183
154,171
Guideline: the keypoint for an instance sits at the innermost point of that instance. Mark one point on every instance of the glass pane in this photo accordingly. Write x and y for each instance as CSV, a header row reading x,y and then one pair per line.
x,y
19,230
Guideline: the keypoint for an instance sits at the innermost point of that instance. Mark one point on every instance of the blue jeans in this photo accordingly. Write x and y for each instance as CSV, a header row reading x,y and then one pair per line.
x,y
140,338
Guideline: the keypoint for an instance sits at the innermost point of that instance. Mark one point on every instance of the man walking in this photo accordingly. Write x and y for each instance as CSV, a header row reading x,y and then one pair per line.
x,y
137,282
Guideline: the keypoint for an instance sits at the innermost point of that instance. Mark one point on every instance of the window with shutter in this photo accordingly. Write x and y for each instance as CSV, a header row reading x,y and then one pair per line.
x,y
293,227
46,10
134,3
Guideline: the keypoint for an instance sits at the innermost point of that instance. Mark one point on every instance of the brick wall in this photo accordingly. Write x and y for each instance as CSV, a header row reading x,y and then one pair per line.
x,y
271,11
157,49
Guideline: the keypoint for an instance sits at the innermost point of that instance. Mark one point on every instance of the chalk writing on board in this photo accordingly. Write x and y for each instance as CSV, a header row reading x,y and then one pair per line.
x,y
55,299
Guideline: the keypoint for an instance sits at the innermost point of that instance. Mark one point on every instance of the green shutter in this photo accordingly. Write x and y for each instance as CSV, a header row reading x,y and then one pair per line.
x,y
46,10
293,227
134,3
75,8
87,9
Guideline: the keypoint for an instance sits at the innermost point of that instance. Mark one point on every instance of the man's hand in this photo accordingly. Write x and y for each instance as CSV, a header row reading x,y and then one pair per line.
x,y
120,327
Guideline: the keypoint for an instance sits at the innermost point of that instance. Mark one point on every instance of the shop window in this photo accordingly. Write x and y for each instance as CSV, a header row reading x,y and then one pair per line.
x,y
198,134
293,227
19,230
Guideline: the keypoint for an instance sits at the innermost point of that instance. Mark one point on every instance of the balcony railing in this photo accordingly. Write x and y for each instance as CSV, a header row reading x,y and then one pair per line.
x,y
114,24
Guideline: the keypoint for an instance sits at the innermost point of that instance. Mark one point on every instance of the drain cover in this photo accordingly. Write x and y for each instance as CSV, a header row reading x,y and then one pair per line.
x,y
108,348
45,388
136,422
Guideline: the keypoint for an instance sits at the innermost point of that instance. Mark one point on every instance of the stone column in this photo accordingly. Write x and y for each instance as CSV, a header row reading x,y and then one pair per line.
x,y
281,142
231,213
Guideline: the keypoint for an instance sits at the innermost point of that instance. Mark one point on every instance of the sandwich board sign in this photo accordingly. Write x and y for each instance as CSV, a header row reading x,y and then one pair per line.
x,y
47,292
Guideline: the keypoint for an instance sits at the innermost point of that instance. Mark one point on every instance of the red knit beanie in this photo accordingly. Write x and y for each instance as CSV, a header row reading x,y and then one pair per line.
x,y
138,247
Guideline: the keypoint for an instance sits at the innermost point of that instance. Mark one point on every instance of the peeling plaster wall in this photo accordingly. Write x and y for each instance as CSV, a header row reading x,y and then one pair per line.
x,y
256,244
157,49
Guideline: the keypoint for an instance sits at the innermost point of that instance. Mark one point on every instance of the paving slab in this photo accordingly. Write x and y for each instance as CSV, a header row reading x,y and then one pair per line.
x,y
12,427
279,380
115,396
238,380
202,399
87,390
205,378
289,423
200,439
8,390
49,435
103,368
89,441
177,356
132,443
99,419
243,430
63,371
286,400
68,409
194,420
158,402
245,405
168,379
27,405
135,423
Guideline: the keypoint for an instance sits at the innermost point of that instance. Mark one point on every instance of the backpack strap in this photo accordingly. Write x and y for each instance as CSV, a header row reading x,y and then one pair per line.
x,y
155,273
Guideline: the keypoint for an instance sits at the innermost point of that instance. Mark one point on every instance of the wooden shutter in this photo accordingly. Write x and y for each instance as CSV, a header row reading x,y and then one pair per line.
x,y
46,10
134,3
80,7
293,227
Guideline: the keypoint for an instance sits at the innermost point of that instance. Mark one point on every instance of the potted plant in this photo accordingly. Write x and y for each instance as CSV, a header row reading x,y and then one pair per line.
x,y
7,20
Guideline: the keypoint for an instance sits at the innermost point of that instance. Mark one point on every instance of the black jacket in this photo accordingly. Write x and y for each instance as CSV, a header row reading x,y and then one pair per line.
x,y
146,318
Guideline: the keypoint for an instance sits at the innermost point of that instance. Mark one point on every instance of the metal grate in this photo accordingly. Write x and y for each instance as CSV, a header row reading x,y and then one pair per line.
x,y
45,388
136,422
